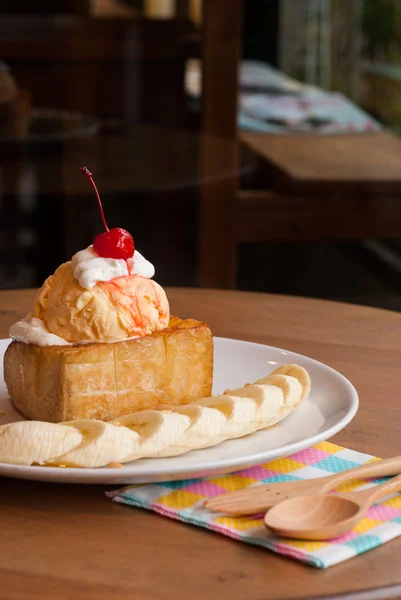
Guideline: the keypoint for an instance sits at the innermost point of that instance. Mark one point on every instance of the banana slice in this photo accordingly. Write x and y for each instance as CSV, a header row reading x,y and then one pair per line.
x,y
269,402
101,444
205,430
157,430
290,387
29,442
239,413
299,373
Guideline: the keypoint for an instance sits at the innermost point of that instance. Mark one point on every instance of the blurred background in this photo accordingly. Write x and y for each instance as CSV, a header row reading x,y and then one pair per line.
x,y
248,144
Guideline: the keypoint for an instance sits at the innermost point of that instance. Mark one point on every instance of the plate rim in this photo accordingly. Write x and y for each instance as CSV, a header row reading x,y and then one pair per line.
x,y
97,475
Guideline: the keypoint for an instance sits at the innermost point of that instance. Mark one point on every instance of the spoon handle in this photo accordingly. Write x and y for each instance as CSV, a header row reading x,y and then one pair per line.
x,y
388,466
372,495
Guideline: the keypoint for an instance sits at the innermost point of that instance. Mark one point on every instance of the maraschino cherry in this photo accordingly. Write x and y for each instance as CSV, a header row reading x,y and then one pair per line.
x,y
114,243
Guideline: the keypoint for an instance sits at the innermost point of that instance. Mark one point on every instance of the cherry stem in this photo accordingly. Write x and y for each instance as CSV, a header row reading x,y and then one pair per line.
x,y
89,176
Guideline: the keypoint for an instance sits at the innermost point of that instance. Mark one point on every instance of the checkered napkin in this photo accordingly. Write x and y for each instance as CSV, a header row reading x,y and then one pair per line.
x,y
183,500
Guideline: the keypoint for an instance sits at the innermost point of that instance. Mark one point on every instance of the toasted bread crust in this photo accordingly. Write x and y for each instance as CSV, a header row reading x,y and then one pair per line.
x,y
104,381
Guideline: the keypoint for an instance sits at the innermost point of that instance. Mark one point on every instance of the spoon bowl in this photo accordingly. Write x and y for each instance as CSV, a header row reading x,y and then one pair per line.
x,y
314,517
323,517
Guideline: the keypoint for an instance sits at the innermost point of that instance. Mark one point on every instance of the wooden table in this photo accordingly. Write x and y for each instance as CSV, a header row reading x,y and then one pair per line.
x,y
329,187
62,541
368,162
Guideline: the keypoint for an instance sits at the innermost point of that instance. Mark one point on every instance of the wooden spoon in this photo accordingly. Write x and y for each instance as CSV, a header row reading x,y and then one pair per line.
x,y
323,517
259,498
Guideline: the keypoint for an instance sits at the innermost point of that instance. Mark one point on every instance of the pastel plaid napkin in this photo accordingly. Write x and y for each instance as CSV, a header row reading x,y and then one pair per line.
x,y
183,500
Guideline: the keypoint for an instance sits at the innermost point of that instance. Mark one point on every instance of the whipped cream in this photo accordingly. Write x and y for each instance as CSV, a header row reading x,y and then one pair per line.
x,y
89,268
30,330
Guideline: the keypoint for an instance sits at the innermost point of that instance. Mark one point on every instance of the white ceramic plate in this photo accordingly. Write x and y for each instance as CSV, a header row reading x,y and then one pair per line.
x,y
331,405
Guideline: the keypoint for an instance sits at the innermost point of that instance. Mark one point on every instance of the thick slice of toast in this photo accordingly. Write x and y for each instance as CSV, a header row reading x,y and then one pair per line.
x,y
104,381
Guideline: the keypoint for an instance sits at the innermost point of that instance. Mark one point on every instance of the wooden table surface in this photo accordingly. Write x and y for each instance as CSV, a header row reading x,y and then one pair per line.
x,y
370,160
70,541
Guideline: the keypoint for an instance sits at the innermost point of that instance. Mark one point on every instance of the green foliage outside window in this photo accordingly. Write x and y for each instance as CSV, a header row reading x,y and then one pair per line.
x,y
381,26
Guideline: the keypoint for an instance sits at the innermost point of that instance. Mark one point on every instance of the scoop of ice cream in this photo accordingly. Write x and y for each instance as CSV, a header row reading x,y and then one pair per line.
x,y
115,310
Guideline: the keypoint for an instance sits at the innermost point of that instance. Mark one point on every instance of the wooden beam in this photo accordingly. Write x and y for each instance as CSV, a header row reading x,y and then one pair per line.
x,y
221,55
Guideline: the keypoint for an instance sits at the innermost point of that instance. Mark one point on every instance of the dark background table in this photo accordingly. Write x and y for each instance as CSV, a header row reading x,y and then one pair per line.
x,y
150,179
